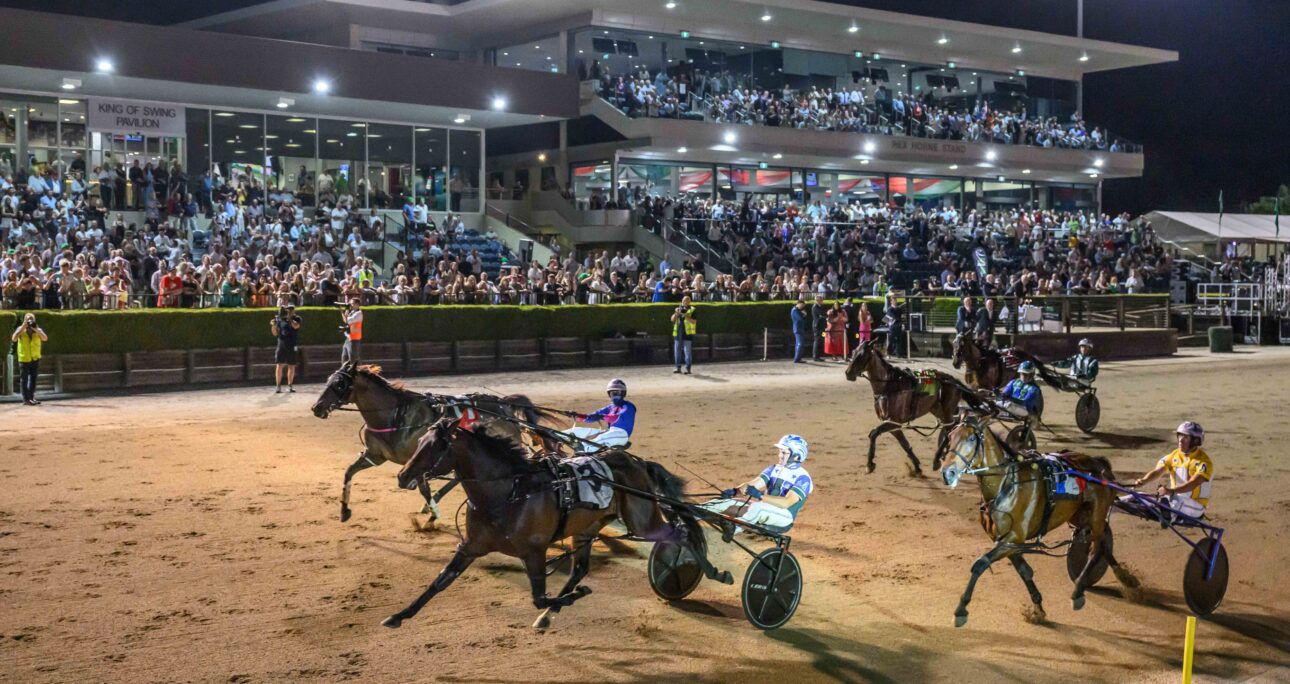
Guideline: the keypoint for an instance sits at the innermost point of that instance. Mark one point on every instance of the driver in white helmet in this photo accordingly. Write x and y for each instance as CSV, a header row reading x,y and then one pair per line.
x,y
1190,472
774,497
619,418
1083,365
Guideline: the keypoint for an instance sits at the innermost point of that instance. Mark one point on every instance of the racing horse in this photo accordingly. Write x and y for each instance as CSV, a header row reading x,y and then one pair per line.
x,y
515,509
988,368
899,399
395,418
1020,504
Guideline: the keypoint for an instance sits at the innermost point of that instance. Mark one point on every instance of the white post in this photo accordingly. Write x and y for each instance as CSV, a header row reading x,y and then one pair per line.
x,y
765,344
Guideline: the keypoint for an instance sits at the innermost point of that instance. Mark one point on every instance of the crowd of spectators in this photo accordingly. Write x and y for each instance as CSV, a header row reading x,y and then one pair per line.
x,y
866,106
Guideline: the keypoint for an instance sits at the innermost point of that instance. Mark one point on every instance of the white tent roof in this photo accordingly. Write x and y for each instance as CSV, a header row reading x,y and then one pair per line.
x,y
1182,226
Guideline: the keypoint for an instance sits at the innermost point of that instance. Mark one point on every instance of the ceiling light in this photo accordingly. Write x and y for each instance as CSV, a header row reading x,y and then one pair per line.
x,y
69,102
765,16
777,155
284,102
952,65
310,131
1016,49
239,151
230,141
295,119
223,113
869,147
953,166
685,34
499,103
351,134
858,54
999,178
104,66
774,44
461,119
990,155
1092,175
322,86
864,161
542,156
942,40
249,126
1025,170
1097,163
71,83
853,28
670,5
1083,57
358,125
539,47
293,145
373,135
333,141
876,56
271,137
681,150
1021,72
506,54
730,137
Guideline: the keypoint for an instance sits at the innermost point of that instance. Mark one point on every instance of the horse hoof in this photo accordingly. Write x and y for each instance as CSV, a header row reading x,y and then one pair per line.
x,y
960,620
392,622
870,467
1077,602
344,514
542,623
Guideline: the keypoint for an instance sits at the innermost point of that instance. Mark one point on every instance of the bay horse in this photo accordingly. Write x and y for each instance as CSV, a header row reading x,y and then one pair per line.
x,y
989,368
1019,505
395,418
898,400
514,509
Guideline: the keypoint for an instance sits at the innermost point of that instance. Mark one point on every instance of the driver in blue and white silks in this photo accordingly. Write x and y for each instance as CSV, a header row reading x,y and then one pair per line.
x,y
1021,396
776,495
619,417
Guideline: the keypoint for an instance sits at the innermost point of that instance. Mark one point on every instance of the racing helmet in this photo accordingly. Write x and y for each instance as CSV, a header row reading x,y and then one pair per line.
x,y
616,385
795,445
1026,368
1085,343
1192,429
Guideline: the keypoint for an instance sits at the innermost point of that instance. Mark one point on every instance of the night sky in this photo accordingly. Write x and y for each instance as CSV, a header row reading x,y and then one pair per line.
x,y
1216,119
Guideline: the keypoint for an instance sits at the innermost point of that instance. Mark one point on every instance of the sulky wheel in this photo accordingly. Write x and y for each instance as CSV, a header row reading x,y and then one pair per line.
x,y
772,588
674,570
1021,438
1088,410
1204,595
1077,555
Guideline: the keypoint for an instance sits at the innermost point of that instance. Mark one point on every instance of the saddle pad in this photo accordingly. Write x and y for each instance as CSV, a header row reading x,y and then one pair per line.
x,y
591,474
927,382
1065,486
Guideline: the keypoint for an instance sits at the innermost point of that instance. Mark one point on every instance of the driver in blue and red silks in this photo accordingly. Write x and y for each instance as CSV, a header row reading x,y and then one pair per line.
x,y
619,417
1021,397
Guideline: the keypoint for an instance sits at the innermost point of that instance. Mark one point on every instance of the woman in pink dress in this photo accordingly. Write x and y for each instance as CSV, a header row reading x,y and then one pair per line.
x,y
865,328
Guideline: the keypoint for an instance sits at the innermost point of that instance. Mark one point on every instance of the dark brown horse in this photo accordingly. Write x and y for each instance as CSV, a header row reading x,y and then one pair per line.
x,y
989,368
514,509
900,397
1017,506
395,418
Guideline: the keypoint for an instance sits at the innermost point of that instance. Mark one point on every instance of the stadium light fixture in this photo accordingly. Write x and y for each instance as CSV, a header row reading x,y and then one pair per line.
x,y
670,5
104,65
853,28
499,103
461,119
869,147
730,137
765,16
322,86
284,102
542,156
71,83
1016,49
943,40
991,155
1097,162
1083,57
681,150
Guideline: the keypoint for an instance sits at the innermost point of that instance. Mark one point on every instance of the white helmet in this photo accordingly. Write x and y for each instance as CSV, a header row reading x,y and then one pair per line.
x,y
1194,430
1085,343
617,385
795,445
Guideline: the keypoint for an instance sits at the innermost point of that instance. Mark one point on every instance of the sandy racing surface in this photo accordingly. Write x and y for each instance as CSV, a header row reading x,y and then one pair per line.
x,y
195,537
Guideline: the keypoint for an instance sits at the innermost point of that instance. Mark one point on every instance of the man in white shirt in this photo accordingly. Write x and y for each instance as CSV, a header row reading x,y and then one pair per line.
x,y
338,217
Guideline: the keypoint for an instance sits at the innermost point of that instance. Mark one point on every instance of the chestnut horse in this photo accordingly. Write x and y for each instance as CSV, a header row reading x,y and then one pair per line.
x,y
1017,507
514,509
899,400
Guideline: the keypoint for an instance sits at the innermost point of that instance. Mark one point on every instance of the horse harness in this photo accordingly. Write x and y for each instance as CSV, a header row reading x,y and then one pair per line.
x,y
1050,469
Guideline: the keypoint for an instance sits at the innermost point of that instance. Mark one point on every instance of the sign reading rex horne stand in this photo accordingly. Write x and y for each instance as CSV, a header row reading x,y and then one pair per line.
x,y
136,117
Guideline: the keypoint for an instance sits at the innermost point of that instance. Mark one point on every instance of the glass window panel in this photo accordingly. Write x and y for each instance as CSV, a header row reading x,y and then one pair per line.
x,y
591,182
389,164
341,155
237,149
463,171
8,161
292,169
864,189
42,124
935,194
534,55
71,113
197,126
432,166
9,122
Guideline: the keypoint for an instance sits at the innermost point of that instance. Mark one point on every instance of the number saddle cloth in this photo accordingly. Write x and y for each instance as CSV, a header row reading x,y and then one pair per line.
x,y
1054,470
581,482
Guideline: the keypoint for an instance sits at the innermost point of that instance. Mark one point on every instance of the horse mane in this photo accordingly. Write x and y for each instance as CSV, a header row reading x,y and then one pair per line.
x,y
373,372
500,443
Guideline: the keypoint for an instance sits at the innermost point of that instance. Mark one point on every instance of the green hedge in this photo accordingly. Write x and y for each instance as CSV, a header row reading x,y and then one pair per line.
x,y
87,332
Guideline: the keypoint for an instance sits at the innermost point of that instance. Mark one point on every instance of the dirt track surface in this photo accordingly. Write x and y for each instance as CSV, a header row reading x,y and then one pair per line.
x,y
195,537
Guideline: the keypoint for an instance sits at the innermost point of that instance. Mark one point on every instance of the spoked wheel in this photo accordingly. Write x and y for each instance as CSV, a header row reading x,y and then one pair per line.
x,y
1021,438
1088,410
772,589
1080,548
1204,595
674,570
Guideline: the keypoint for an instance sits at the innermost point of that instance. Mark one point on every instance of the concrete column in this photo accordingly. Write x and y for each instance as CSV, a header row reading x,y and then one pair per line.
x,y
563,49
562,156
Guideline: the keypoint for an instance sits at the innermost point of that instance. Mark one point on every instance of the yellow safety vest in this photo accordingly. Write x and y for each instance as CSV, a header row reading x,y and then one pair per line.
x,y
691,326
28,348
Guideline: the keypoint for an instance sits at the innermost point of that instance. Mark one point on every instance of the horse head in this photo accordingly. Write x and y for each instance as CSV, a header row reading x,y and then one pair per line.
x,y
956,358
338,391
965,443
865,352
433,455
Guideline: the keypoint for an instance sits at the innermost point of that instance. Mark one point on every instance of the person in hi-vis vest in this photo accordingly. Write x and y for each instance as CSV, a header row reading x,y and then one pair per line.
x,y
29,337
352,315
684,328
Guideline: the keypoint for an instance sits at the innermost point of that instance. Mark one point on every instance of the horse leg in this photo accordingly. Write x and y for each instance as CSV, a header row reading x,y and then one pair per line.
x,y
980,566
433,499
885,426
571,591
942,444
460,561
363,462
909,450
1028,576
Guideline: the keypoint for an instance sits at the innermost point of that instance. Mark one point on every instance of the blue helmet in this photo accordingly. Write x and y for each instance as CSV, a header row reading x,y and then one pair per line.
x,y
1026,368
795,445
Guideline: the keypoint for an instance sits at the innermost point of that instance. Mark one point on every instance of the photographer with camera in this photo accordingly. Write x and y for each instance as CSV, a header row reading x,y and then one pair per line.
x,y
29,337
286,327
683,330
351,316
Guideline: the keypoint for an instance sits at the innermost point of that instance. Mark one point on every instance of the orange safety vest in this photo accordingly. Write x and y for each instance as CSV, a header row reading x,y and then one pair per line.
x,y
356,328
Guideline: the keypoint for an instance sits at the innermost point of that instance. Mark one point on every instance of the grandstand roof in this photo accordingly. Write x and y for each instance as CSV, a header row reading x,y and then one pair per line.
x,y
807,24
1182,226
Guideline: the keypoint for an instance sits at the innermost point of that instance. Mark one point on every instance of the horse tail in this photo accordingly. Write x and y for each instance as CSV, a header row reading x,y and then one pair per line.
x,y
669,486
1102,466
969,395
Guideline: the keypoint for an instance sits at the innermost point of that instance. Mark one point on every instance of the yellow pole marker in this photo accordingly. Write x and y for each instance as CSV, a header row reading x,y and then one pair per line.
x,y
1187,649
